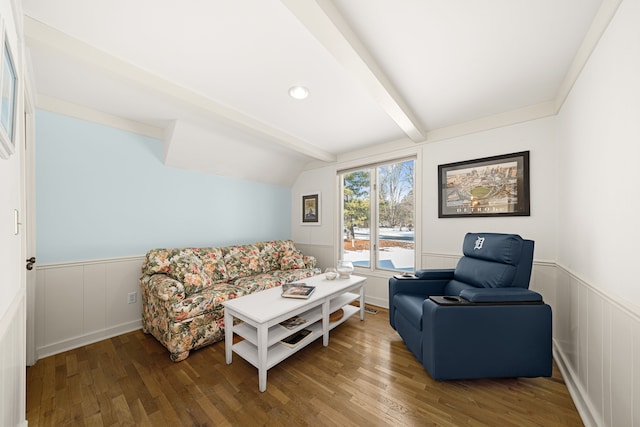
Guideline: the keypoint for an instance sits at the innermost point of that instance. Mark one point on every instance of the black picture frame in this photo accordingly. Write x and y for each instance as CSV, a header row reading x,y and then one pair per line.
x,y
311,209
487,187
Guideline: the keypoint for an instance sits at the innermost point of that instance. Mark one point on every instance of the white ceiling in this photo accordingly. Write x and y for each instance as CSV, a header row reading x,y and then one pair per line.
x,y
211,77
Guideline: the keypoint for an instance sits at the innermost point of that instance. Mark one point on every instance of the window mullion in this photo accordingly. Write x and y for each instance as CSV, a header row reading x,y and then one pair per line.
x,y
373,227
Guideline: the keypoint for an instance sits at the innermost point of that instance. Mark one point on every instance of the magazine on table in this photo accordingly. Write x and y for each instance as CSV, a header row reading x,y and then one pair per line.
x,y
297,290
293,322
295,339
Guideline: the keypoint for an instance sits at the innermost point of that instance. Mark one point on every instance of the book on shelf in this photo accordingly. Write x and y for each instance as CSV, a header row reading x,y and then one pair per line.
x,y
297,290
293,322
295,339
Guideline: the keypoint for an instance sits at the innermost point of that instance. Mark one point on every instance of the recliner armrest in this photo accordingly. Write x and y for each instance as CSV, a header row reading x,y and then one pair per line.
x,y
424,282
501,295
436,274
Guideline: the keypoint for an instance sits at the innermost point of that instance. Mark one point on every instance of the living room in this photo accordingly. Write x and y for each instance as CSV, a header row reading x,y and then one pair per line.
x,y
104,196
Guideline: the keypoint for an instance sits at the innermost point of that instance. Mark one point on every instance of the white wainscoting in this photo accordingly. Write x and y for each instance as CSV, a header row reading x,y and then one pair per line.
x,y
83,302
596,338
596,342
597,345
12,362
324,254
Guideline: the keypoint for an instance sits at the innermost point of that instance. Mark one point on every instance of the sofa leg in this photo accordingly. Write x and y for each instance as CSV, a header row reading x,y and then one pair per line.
x,y
178,357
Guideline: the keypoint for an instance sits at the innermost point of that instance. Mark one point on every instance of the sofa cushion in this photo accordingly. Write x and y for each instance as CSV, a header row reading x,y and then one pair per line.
x,y
243,261
259,282
293,275
291,260
213,263
186,267
271,252
206,301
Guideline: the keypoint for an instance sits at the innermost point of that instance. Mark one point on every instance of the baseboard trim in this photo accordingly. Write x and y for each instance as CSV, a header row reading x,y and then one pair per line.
x,y
82,340
378,302
578,394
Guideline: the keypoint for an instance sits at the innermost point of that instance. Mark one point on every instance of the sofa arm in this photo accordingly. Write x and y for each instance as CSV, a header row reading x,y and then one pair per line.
x,y
501,295
309,261
163,287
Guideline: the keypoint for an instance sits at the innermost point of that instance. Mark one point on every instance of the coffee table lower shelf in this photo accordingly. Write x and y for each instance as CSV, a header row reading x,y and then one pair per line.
x,y
278,352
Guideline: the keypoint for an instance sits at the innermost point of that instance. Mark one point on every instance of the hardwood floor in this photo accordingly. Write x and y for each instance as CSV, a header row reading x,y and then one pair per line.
x,y
366,376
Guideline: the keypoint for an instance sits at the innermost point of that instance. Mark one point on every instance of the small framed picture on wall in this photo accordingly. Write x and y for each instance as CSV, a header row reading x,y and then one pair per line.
x,y
311,209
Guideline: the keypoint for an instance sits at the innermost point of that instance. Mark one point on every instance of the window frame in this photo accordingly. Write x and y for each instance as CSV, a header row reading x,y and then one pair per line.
x,y
373,268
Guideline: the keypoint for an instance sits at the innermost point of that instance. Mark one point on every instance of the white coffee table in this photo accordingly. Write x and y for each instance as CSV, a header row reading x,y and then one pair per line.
x,y
262,312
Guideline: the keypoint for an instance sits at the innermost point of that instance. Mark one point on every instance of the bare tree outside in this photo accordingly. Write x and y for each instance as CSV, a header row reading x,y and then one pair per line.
x,y
395,195
394,224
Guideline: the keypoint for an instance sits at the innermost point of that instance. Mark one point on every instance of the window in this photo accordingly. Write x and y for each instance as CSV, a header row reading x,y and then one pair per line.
x,y
378,216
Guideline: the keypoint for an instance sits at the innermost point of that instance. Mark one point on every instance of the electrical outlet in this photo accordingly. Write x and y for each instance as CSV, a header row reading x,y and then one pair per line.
x,y
133,297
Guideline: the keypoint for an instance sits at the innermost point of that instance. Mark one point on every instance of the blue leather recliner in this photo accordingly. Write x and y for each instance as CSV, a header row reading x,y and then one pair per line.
x,y
478,320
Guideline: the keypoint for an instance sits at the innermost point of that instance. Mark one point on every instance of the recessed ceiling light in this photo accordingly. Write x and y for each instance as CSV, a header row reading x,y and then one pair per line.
x,y
298,92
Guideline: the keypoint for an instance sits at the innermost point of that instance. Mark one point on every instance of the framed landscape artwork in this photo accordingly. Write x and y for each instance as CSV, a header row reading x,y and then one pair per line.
x,y
311,209
491,186
8,84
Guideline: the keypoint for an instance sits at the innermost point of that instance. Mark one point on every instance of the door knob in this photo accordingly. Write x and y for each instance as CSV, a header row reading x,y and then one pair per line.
x,y
30,263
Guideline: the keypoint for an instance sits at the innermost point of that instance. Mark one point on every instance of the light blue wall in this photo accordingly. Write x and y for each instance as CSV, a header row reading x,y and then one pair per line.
x,y
103,192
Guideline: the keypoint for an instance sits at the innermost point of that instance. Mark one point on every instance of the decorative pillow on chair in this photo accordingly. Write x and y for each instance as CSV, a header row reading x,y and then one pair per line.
x,y
292,260
186,267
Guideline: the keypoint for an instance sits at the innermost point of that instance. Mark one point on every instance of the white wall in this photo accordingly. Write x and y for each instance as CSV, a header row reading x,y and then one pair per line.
x,y
600,148
317,240
597,292
444,235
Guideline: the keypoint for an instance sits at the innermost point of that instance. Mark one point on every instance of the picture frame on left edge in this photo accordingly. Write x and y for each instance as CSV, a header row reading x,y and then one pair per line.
x,y
8,93
311,209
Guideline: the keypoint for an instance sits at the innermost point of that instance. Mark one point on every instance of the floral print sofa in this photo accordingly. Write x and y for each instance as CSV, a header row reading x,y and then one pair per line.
x,y
183,289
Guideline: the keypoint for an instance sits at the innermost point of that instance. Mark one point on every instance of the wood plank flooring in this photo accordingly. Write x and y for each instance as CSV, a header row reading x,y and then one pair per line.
x,y
366,376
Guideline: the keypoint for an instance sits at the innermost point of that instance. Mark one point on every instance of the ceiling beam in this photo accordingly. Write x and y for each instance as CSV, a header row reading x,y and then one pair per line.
x,y
329,27
41,36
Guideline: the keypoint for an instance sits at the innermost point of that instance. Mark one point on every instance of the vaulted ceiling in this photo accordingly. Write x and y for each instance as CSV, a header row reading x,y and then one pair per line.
x,y
211,77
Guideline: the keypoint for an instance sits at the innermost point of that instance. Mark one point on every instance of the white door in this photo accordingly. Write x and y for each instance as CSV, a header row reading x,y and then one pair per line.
x,y
28,226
